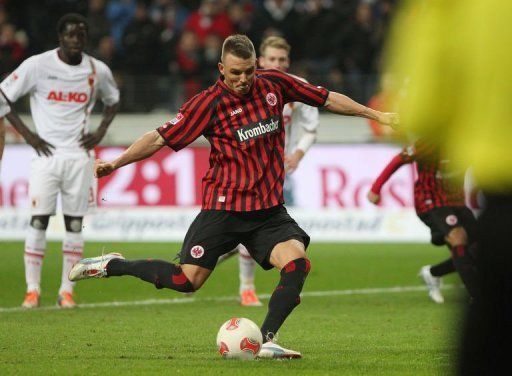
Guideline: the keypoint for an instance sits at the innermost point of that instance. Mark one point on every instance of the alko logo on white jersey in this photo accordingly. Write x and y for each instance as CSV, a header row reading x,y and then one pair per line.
x,y
72,96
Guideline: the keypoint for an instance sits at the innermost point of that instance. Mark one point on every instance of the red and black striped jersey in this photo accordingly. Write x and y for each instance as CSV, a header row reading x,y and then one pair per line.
x,y
246,135
438,184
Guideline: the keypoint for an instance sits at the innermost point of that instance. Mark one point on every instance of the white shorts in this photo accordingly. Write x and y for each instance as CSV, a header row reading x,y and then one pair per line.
x,y
72,176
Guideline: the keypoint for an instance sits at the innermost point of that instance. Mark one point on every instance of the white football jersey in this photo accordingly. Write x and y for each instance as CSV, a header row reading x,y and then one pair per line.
x,y
4,106
61,96
299,118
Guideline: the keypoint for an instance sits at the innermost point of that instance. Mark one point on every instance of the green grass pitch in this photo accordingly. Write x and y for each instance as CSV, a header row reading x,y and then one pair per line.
x,y
346,330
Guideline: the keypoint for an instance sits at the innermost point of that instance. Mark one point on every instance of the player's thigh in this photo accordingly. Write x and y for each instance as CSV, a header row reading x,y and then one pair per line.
x,y
208,238
77,186
44,185
287,251
267,239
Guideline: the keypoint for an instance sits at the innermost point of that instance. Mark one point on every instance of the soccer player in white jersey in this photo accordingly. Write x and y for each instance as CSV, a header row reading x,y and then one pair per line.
x,y
63,84
300,122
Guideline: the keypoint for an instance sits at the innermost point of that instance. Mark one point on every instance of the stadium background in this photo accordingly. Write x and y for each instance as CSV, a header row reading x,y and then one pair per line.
x,y
364,309
164,51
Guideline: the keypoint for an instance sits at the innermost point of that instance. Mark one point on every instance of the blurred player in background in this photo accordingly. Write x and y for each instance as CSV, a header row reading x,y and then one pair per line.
x,y
241,116
63,84
300,124
439,202
459,97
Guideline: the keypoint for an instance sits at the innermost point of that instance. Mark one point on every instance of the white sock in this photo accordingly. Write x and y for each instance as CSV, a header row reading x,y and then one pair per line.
x,y
35,245
72,250
247,265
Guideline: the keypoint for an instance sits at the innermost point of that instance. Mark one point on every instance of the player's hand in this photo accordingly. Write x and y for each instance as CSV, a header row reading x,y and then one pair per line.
x,y
40,146
374,198
102,168
291,162
389,118
89,140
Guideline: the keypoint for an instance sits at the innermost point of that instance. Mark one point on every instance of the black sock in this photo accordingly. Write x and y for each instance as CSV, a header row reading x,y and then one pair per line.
x,y
160,273
443,268
465,266
286,296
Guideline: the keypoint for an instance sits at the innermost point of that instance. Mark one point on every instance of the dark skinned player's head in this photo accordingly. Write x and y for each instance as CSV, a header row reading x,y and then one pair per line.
x,y
72,30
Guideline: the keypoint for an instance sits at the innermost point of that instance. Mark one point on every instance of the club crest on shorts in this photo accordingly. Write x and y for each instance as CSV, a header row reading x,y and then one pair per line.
x,y
197,251
451,220
271,99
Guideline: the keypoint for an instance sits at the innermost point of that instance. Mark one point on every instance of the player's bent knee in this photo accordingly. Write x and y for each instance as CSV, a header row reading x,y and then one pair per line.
x,y
301,265
73,224
285,252
196,275
40,222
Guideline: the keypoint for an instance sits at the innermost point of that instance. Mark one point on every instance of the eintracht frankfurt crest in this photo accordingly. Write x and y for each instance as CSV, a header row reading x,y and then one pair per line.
x,y
197,251
271,99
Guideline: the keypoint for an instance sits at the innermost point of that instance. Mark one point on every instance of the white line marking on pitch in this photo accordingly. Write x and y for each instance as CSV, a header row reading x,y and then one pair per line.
x,y
192,299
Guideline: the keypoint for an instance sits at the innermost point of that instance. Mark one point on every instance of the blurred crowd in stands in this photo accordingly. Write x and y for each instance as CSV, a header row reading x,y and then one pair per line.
x,y
164,51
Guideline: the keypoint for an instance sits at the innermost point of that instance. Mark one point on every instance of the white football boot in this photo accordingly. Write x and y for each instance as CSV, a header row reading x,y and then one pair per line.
x,y
94,267
433,284
271,350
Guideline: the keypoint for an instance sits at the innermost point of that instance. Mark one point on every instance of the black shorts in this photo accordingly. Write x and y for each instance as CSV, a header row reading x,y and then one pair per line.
x,y
216,232
442,220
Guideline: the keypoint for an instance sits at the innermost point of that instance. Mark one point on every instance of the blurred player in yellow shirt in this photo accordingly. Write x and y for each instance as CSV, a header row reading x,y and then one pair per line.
x,y
456,57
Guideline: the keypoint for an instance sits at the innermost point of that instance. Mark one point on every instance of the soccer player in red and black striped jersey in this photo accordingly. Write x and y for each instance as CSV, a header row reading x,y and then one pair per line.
x,y
241,117
439,203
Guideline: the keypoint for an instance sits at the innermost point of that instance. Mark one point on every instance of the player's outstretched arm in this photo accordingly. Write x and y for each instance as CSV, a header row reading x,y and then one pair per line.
x,y
143,148
397,161
343,105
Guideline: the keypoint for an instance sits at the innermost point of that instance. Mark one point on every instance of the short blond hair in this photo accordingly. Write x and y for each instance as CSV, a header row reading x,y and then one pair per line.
x,y
238,45
274,42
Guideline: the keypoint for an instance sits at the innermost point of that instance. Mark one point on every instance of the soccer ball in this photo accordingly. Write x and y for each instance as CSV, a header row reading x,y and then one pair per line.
x,y
239,338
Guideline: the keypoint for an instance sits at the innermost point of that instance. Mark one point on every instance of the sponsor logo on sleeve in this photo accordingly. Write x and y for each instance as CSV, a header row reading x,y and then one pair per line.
x,y
174,121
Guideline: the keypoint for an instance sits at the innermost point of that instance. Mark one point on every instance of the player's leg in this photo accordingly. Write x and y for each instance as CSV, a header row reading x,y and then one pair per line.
x,y
43,190
247,266
440,221
290,258
431,275
163,274
35,246
463,261
204,242
77,191
72,251
452,223
443,268
280,243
